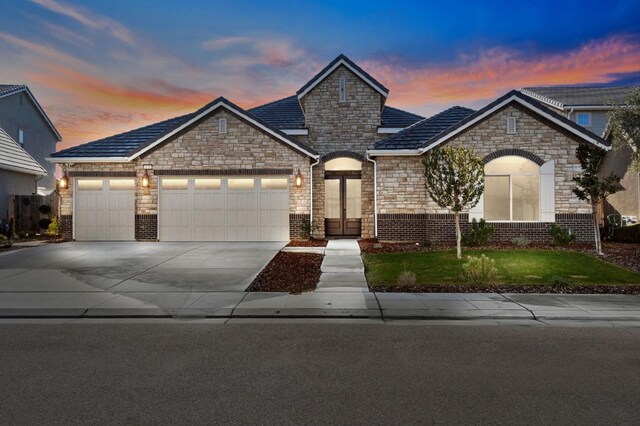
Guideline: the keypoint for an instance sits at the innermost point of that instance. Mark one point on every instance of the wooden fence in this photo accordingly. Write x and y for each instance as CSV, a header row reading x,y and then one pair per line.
x,y
25,211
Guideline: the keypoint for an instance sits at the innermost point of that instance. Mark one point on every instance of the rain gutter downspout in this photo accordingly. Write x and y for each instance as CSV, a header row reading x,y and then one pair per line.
x,y
375,195
311,190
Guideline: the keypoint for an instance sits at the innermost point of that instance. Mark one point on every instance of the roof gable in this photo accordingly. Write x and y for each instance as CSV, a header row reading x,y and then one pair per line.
x,y
12,89
130,145
13,157
348,63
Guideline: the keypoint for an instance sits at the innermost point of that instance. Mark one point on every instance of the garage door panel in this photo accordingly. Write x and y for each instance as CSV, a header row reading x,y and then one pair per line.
x,y
102,213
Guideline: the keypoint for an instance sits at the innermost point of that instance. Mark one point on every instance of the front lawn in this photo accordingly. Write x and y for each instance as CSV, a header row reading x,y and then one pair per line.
x,y
515,267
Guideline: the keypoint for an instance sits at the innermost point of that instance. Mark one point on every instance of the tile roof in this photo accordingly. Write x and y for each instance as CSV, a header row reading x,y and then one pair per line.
x,y
14,157
10,89
350,64
563,96
285,114
423,131
129,143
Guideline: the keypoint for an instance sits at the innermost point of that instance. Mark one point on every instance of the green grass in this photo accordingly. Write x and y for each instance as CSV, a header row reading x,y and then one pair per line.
x,y
528,267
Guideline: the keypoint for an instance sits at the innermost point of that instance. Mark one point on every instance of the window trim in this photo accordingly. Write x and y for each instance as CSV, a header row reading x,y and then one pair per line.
x,y
342,89
512,121
21,133
222,126
510,176
588,114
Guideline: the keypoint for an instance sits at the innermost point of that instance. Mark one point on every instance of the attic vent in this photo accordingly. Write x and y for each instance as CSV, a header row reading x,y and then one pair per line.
x,y
511,126
343,89
222,125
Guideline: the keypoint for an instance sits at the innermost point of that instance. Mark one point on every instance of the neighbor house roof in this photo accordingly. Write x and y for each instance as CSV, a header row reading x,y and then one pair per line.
x,y
342,60
570,96
286,114
414,136
418,144
13,157
129,145
11,89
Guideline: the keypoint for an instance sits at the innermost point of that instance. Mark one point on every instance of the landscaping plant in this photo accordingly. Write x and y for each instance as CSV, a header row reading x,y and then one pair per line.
x,y
590,186
559,283
624,122
478,234
12,228
454,181
627,234
479,270
407,279
5,242
520,241
53,230
308,229
561,236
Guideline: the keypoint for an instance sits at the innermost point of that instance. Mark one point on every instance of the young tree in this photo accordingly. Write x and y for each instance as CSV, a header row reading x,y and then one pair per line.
x,y
624,122
455,181
591,187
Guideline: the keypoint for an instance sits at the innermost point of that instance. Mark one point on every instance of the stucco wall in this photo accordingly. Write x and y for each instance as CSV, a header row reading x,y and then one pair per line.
x,y
39,142
14,183
401,180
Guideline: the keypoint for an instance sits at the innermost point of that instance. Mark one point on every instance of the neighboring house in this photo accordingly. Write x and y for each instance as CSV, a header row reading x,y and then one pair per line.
x,y
22,118
19,172
334,155
589,107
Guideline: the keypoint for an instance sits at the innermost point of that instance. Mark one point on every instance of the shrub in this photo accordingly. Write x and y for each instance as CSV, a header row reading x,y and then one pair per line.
x,y
54,229
478,234
22,234
12,228
479,270
44,223
5,242
559,283
561,236
520,241
406,279
627,234
308,229
425,243
44,209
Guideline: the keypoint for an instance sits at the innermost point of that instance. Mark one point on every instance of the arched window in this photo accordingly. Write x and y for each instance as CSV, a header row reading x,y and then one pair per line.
x,y
512,189
343,164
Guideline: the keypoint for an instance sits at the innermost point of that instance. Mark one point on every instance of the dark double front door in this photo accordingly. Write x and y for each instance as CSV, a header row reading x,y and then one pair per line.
x,y
343,204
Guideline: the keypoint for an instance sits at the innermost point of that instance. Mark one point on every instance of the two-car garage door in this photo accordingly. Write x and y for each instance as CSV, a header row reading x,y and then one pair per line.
x,y
223,209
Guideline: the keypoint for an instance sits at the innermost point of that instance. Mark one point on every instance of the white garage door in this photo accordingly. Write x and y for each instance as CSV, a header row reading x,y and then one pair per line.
x,y
224,209
104,209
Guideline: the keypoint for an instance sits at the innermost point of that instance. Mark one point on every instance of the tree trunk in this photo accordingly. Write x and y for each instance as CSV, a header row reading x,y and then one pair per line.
x,y
596,229
458,236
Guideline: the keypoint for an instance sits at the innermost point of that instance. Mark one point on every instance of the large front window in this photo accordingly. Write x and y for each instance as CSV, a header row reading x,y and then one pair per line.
x,y
512,189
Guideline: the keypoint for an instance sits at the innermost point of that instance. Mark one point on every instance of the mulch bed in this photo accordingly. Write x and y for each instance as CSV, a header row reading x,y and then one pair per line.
x,y
574,289
307,243
291,272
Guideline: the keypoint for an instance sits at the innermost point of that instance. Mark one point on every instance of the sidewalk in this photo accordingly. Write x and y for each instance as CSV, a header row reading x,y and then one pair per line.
x,y
321,304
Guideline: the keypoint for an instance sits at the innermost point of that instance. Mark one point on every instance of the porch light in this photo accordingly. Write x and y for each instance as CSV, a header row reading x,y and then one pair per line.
x,y
64,182
298,179
146,181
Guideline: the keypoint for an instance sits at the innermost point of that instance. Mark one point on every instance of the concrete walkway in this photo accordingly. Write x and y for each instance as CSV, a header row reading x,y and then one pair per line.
x,y
342,268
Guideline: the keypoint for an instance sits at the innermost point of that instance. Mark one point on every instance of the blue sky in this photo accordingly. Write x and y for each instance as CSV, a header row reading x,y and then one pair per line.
x,y
105,66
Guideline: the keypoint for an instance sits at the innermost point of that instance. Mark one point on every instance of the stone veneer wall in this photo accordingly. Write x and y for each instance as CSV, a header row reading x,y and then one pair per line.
x,y
401,182
201,148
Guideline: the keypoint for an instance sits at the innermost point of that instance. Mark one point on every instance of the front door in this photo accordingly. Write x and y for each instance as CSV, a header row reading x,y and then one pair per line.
x,y
343,204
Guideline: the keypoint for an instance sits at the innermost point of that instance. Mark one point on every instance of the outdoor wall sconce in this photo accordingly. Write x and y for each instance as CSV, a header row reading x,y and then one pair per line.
x,y
298,179
64,182
146,181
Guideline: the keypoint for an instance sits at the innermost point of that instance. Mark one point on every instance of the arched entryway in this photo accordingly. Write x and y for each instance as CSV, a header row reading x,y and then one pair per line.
x,y
343,196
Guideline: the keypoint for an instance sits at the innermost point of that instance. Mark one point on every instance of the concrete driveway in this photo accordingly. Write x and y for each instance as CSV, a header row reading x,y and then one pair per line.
x,y
135,267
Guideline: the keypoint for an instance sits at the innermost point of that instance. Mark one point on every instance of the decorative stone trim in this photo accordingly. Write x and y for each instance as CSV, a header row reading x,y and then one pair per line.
x,y
66,226
296,224
146,227
225,172
402,227
342,154
102,174
514,151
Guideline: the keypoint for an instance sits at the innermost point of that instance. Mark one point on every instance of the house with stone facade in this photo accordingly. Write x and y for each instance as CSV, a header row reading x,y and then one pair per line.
x,y
333,155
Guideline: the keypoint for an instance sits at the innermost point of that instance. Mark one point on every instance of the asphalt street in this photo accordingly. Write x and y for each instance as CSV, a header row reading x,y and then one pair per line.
x,y
317,374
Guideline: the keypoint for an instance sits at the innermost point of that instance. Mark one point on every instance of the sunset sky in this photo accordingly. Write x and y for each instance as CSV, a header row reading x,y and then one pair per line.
x,y
103,67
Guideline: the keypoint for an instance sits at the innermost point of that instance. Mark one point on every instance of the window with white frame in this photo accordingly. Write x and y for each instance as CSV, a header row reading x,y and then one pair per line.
x,y
21,135
583,119
343,89
222,125
511,126
512,190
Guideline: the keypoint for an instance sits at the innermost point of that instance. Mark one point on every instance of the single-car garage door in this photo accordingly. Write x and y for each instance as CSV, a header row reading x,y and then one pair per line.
x,y
104,209
223,209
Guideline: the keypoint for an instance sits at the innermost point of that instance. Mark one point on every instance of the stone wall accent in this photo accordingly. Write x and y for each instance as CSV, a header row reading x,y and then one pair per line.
x,y
368,223
441,227
338,126
66,226
104,173
223,172
401,179
146,227
296,226
318,200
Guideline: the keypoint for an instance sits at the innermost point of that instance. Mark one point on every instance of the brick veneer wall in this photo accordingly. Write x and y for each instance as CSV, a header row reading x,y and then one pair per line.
x,y
146,227
66,226
296,225
441,227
